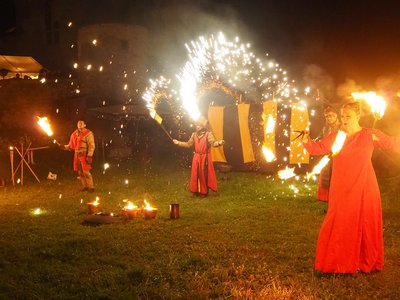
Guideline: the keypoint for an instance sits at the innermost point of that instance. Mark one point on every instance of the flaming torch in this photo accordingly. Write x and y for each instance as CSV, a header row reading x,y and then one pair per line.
x,y
45,126
377,103
269,129
335,149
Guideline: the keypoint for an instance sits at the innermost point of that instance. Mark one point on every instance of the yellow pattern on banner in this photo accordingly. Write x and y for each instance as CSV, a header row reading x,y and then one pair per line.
x,y
299,121
270,109
216,119
243,114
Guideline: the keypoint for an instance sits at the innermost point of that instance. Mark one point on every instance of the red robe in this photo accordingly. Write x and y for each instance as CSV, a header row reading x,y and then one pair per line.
x,y
75,143
351,237
203,174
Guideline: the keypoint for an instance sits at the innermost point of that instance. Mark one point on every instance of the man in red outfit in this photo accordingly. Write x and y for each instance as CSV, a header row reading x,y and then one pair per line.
x,y
203,175
351,237
83,145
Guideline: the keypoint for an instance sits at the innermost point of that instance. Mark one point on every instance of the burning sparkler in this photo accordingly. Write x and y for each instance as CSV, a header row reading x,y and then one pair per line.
x,y
216,58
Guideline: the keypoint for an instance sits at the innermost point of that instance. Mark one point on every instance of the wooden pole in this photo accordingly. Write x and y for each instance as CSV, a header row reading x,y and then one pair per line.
x,y
12,164
22,164
29,167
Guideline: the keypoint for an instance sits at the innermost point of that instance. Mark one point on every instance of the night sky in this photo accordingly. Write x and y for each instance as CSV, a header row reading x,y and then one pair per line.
x,y
356,40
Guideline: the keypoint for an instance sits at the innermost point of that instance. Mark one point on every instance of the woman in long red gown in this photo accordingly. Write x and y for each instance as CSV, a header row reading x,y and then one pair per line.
x,y
203,175
351,237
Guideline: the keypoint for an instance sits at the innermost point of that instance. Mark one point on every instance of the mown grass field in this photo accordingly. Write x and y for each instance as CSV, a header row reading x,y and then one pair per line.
x,y
255,240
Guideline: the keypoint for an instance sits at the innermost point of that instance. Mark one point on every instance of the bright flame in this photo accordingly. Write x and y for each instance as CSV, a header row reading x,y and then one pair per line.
x,y
338,143
96,202
130,206
286,173
270,128
268,154
45,125
377,103
148,206
318,167
106,166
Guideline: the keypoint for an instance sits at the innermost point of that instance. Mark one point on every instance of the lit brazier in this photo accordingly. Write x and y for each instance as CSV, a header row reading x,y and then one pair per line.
x,y
149,211
93,207
131,211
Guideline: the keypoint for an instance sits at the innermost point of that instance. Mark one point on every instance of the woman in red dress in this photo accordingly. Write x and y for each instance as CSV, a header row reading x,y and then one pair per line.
x,y
351,237
203,175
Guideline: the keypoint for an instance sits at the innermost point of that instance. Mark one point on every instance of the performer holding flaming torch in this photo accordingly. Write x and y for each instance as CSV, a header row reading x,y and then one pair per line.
x,y
82,143
351,238
203,175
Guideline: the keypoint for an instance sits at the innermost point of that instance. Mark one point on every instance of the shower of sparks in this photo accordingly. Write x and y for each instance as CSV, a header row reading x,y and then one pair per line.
x,y
231,62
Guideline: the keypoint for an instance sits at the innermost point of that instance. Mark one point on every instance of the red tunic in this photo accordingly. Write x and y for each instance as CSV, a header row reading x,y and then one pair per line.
x,y
203,174
351,237
75,143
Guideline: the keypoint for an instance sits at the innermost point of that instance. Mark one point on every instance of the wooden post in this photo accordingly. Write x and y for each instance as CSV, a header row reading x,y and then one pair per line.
x,y
12,164
22,164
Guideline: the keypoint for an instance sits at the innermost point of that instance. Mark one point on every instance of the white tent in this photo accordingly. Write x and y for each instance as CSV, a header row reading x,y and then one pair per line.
x,y
22,65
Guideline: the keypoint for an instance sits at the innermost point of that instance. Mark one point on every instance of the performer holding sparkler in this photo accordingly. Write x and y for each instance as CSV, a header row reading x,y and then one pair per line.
x,y
351,238
82,143
203,175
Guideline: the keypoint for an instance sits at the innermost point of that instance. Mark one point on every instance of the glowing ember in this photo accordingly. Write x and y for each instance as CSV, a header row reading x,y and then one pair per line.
x,y
268,154
377,103
45,125
37,211
286,173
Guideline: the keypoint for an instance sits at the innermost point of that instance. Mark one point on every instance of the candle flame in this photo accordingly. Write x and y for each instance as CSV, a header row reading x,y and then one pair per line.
x,y
45,125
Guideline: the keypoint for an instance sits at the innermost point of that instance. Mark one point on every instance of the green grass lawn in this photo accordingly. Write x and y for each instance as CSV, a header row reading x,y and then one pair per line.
x,y
255,240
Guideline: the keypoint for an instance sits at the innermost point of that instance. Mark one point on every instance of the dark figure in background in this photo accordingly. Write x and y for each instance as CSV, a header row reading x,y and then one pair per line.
x,y
332,124
351,236
83,145
203,175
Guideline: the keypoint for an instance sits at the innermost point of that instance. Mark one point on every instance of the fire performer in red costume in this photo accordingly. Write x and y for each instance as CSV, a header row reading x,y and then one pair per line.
x,y
351,237
82,143
203,174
